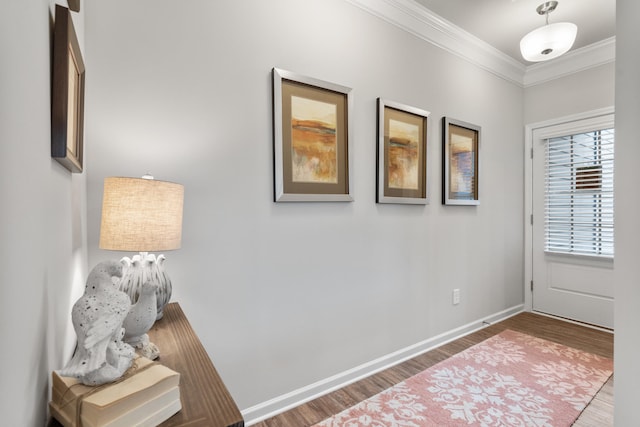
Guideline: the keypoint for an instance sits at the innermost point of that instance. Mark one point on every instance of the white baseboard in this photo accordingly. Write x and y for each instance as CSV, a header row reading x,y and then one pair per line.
x,y
287,401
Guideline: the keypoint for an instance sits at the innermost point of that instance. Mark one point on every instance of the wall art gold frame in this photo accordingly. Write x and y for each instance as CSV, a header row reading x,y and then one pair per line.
x,y
461,162
401,154
67,94
311,136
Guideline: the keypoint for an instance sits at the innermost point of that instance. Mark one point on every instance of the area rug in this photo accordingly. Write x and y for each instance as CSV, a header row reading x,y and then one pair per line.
x,y
510,379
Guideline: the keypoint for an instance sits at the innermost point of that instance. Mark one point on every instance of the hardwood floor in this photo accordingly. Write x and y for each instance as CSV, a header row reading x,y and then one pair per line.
x,y
598,413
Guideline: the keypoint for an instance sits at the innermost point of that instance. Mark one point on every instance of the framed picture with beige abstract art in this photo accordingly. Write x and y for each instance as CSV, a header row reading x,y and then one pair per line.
x,y
311,136
401,154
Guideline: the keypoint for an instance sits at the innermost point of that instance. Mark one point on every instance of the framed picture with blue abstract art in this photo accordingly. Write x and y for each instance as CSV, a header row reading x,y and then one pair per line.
x,y
460,169
401,154
311,136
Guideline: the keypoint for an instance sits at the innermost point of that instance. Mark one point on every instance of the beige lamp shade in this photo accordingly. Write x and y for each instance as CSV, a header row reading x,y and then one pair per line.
x,y
141,215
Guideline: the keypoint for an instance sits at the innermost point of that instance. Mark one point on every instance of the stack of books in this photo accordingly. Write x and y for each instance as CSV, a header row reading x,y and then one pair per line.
x,y
147,397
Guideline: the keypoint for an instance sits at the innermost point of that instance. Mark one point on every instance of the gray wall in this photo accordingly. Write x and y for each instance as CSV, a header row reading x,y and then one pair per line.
x,y
42,220
627,291
283,295
577,93
185,94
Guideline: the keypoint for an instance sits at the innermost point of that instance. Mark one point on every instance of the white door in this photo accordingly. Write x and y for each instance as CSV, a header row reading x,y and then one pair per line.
x,y
572,221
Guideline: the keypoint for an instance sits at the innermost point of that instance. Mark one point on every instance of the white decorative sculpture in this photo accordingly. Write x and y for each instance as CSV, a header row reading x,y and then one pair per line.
x,y
140,319
134,274
101,356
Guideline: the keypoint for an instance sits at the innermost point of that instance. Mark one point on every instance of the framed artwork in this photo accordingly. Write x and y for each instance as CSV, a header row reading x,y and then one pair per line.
x,y
311,136
67,94
460,147
401,154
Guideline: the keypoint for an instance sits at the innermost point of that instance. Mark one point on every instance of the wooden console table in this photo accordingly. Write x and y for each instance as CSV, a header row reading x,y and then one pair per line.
x,y
205,399
206,402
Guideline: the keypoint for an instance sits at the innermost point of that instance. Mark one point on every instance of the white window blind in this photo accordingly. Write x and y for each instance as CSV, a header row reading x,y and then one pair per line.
x,y
579,194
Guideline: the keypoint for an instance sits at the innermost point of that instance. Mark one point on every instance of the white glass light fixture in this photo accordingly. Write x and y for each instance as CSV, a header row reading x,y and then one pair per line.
x,y
549,41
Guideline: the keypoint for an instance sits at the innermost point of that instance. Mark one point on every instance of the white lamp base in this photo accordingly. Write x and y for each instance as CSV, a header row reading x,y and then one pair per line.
x,y
142,268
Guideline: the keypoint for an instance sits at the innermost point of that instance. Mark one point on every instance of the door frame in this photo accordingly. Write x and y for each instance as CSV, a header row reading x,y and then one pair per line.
x,y
529,129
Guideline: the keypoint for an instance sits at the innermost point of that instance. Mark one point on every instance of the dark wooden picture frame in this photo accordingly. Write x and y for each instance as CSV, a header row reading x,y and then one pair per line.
x,y
461,162
402,153
311,135
74,5
67,94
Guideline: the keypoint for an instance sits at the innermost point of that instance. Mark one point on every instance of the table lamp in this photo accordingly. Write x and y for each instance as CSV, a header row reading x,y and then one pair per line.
x,y
142,215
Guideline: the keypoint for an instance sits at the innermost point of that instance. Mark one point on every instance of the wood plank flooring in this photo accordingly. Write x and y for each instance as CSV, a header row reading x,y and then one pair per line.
x,y
598,413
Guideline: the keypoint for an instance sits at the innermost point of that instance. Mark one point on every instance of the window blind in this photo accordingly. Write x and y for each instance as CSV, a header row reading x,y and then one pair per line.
x,y
579,194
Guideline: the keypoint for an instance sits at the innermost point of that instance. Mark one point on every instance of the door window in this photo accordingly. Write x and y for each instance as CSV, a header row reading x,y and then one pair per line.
x,y
579,194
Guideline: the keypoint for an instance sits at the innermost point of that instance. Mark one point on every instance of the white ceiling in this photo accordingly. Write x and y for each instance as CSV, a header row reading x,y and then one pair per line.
x,y
502,23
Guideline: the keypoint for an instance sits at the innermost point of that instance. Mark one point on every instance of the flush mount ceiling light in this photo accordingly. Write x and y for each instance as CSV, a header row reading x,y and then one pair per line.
x,y
549,41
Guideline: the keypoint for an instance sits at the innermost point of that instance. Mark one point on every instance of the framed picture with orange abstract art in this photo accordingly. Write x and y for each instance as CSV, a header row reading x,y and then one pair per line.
x,y
311,136
401,154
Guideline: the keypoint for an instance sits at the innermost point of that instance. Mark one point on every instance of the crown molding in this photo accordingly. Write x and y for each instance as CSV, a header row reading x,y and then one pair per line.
x,y
426,25
421,22
594,55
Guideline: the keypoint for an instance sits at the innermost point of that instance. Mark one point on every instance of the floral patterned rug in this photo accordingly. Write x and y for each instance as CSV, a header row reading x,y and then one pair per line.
x,y
510,379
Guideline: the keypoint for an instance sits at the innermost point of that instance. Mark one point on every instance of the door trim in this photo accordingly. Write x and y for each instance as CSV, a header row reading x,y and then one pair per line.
x,y
528,190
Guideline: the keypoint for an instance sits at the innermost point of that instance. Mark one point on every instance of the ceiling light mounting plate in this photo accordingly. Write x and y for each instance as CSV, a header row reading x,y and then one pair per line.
x,y
547,7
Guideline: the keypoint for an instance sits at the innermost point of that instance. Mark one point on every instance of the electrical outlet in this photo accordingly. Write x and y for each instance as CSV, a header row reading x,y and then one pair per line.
x,y
456,296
